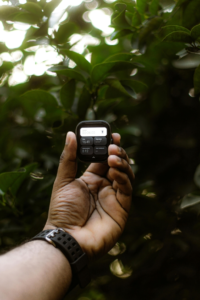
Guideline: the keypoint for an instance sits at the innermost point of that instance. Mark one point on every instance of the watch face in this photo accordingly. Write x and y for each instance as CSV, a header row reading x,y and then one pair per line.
x,y
93,139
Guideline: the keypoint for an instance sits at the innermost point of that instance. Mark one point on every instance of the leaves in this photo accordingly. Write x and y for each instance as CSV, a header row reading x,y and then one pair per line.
x,y
153,24
101,71
178,36
67,94
172,28
137,86
120,57
118,86
8,12
65,31
120,21
195,32
79,59
5,67
34,100
62,70
83,103
33,8
141,6
189,201
136,19
153,7
13,180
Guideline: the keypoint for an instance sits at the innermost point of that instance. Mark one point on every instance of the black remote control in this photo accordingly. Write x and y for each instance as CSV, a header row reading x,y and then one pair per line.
x,y
93,139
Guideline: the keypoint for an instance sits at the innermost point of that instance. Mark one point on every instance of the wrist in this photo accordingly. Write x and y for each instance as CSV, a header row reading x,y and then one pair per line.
x,y
71,249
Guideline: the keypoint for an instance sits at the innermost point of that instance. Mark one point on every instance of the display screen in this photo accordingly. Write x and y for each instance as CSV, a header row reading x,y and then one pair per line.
x,y
93,131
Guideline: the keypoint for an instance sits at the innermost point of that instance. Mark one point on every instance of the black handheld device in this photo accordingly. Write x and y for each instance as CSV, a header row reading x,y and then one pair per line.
x,y
93,139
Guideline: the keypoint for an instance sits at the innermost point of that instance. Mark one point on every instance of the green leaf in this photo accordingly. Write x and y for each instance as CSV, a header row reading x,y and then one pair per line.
x,y
196,80
79,59
83,103
178,36
141,6
65,31
32,8
120,57
50,6
5,67
119,33
118,86
101,71
67,72
120,21
172,28
152,25
12,180
190,16
26,17
195,32
120,6
67,94
180,2
106,106
8,12
136,19
34,100
189,201
137,86
153,7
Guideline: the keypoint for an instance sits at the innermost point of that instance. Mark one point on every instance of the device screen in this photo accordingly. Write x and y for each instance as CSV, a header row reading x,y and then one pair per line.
x,y
93,141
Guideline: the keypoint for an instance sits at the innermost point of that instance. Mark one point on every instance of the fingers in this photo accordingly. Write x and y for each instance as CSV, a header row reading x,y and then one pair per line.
x,y
68,166
101,168
123,187
118,159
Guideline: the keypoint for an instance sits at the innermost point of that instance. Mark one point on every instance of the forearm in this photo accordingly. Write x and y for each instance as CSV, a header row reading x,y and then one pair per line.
x,y
36,270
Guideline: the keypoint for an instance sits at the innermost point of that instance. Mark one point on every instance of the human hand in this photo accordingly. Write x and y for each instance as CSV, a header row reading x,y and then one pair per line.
x,y
93,208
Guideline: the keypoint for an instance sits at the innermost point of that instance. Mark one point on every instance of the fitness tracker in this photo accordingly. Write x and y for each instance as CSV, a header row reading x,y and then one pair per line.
x,y
73,252
93,139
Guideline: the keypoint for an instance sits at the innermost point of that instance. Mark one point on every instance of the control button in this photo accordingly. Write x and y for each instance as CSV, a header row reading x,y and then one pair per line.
x,y
100,140
86,141
100,150
86,150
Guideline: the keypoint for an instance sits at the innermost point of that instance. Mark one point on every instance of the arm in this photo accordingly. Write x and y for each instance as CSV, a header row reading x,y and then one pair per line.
x,y
93,209
36,270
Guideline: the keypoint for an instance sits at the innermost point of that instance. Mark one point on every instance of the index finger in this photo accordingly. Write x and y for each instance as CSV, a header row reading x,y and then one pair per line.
x,y
102,168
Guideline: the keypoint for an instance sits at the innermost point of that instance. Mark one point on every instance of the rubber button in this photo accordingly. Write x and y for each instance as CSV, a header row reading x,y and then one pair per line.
x,y
100,150
87,150
100,140
86,141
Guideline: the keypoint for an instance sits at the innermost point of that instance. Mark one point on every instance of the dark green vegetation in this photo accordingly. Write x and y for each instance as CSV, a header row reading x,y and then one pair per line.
x,y
157,112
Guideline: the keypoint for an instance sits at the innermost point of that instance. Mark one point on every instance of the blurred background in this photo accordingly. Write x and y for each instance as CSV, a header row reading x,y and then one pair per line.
x,y
134,64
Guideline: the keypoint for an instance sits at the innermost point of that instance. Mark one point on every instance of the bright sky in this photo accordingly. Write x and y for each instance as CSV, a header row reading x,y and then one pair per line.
x,y
45,56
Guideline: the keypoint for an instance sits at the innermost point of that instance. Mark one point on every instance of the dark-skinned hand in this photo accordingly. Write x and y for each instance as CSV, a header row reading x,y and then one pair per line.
x,y
93,208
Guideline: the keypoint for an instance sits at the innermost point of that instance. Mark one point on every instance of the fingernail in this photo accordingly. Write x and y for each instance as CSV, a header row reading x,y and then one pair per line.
x,y
119,160
68,138
120,149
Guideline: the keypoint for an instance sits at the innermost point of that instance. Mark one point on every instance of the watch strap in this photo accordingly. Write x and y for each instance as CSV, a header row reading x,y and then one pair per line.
x,y
72,250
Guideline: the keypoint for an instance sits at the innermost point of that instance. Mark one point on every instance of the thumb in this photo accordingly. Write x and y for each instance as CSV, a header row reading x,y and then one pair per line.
x,y
68,165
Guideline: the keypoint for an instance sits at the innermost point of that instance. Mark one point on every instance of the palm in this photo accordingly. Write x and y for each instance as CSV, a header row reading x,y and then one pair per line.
x,y
89,204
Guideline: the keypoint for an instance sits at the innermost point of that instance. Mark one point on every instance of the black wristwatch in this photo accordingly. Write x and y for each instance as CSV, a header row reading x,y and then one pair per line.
x,y
73,252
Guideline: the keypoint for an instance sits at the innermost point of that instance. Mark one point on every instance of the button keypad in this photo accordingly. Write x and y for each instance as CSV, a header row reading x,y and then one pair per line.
x,y
86,141
99,150
86,150
93,145
100,140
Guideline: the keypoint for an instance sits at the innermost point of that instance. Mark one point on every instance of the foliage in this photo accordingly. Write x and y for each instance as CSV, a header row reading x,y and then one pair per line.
x,y
147,86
